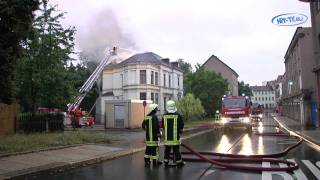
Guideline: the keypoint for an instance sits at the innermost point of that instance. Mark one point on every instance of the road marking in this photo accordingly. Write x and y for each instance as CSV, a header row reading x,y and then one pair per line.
x,y
315,171
267,175
298,173
318,164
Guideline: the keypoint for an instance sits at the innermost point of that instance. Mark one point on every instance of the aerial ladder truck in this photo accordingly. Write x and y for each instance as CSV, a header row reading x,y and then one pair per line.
x,y
80,118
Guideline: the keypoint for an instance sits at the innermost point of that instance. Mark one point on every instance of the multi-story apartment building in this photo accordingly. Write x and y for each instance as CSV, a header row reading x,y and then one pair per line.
x,y
216,65
145,76
315,21
299,87
264,95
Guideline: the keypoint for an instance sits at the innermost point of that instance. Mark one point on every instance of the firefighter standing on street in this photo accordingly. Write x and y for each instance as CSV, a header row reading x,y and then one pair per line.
x,y
151,126
173,127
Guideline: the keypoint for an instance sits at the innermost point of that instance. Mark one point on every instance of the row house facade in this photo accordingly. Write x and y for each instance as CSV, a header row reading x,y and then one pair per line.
x,y
264,95
315,21
298,87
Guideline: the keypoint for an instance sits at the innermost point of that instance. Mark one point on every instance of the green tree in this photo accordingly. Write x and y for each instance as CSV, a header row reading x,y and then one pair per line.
x,y
81,73
244,89
208,87
187,73
16,17
190,107
44,78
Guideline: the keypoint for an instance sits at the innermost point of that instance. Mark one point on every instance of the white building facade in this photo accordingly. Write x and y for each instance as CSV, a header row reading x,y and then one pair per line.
x,y
264,95
144,76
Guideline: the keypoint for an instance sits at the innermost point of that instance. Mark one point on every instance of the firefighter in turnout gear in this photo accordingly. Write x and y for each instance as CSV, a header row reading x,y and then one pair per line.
x,y
151,126
173,127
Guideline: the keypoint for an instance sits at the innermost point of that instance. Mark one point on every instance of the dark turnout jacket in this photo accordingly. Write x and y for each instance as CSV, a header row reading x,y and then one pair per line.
x,y
173,126
151,126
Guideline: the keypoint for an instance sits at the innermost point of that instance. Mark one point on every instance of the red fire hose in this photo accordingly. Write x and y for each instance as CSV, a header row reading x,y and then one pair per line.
x,y
237,158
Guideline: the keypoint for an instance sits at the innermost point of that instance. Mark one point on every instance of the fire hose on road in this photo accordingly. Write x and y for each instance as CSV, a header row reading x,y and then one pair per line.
x,y
239,158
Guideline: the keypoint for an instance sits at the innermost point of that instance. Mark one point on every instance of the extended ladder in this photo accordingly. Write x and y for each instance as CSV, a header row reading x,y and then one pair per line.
x,y
86,87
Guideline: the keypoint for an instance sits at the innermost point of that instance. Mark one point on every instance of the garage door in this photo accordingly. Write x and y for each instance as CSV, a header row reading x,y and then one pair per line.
x,y
119,116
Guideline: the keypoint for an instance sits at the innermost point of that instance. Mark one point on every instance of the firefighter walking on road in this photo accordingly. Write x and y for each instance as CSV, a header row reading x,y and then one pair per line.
x,y
151,126
173,127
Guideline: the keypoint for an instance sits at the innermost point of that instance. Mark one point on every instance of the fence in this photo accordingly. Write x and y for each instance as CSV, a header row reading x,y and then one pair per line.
x,y
43,122
7,118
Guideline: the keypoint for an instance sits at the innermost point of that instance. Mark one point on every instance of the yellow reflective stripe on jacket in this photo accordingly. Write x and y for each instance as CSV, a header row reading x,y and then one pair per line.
x,y
172,143
150,128
152,143
175,140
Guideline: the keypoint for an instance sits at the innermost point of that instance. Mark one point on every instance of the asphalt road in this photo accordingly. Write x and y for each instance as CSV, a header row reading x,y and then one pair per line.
x,y
235,141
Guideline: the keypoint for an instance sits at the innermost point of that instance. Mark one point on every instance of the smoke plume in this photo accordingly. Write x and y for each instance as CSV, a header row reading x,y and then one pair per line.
x,y
103,31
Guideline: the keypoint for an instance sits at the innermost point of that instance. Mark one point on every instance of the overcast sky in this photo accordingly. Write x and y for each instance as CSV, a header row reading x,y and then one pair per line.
x,y
240,33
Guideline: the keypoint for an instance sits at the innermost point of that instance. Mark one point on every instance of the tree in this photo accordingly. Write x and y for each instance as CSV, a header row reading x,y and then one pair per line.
x,y
44,78
208,87
187,72
190,107
244,89
81,73
16,17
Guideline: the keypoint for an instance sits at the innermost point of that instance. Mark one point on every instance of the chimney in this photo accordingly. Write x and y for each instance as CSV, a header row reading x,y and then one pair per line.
x,y
175,64
114,50
166,60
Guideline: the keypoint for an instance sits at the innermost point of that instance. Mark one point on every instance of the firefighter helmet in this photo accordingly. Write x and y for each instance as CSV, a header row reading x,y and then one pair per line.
x,y
171,107
153,107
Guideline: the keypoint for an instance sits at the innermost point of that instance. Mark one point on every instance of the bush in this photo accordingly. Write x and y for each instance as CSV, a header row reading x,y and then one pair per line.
x,y
190,107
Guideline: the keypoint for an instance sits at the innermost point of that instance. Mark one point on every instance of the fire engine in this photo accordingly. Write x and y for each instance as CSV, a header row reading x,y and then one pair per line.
x,y
235,112
256,112
78,117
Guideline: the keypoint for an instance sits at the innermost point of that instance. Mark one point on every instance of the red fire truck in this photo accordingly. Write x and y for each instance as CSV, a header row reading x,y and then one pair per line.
x,y
235,112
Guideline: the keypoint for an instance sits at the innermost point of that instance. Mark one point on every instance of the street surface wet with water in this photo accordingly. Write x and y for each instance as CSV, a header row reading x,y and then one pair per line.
x,y
236,141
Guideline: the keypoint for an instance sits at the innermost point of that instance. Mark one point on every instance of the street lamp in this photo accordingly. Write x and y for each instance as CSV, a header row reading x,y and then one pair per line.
x,y
290,84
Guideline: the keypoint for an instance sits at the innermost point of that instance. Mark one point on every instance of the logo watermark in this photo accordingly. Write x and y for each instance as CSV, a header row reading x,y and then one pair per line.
x,y
289,19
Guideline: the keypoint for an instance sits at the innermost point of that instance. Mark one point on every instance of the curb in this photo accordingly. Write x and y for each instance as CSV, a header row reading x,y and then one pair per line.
x,y
61,167
306,138
41,150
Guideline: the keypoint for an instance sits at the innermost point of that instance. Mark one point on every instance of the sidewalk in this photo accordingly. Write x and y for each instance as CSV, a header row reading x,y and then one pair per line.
x,y
310,133
58,160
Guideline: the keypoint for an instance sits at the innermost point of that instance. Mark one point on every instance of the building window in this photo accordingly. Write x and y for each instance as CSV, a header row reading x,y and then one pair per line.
x,y
164,80
152,77
156,98
143,77
165,103
169,81
156,78
143,96
272,98
178,81
121,80
255,98
259,99
152,97
262,98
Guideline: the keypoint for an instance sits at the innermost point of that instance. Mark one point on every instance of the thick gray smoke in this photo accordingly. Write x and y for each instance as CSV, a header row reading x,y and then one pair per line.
x,y
104,30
